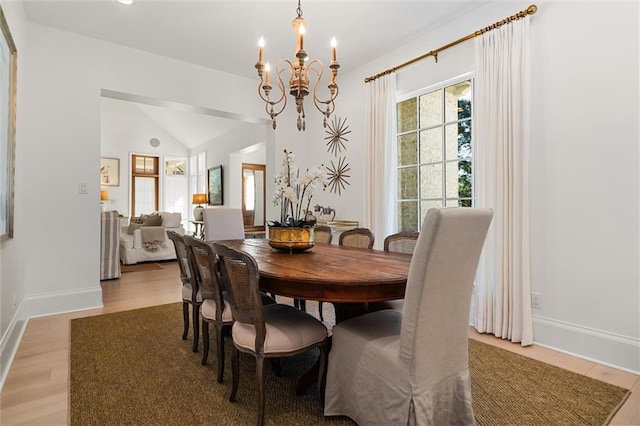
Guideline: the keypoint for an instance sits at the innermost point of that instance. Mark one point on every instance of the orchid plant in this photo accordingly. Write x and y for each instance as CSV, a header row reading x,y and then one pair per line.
x,y
294,192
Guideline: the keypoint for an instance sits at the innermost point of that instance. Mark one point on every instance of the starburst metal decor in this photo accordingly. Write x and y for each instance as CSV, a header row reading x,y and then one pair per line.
x,y
337,130
337,174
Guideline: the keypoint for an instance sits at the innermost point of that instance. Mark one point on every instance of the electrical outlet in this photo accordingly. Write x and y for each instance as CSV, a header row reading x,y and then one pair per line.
x,y
82,188
536,300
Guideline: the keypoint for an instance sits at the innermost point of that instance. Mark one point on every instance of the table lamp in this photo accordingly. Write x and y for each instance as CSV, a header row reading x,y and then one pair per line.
x,y
199,199
104,197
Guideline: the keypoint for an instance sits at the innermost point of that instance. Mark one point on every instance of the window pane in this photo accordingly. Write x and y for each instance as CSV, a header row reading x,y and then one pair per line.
x,y
431,145
407,183
451,141
431,181
431,109
408,216
464,139
407,119
145,195
425,205
451,187
407,149
465,179
458,101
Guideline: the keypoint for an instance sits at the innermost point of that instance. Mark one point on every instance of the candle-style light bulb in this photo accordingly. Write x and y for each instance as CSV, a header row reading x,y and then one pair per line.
x,y
261,50
267,68
301,33
333,48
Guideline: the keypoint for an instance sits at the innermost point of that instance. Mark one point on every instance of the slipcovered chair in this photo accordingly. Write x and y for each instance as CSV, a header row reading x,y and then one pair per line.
x,y
357,237
190,289
388,368
215,307
223,224
271,331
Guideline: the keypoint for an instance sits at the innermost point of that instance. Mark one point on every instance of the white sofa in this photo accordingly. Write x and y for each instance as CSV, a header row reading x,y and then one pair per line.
x,y
140,243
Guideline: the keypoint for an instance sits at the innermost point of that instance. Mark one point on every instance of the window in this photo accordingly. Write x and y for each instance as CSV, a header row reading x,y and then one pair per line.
x,y
198,173
434,152
144,186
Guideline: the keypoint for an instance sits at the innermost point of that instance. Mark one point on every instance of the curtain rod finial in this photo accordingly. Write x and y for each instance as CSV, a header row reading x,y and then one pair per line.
x,y
532,9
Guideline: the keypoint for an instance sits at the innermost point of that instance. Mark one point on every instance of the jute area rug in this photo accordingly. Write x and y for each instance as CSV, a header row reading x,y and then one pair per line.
x,y
133,368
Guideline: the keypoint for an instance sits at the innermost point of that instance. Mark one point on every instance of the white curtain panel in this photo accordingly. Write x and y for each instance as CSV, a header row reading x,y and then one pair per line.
x,y
380,207
503,288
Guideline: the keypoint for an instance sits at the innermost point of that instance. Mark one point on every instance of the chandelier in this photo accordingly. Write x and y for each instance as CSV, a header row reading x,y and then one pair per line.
x,y
299,71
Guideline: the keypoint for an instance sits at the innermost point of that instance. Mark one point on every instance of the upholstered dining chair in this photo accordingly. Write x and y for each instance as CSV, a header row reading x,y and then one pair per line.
x,y
215,308
223,224
271,331
190,290
357,237
414,365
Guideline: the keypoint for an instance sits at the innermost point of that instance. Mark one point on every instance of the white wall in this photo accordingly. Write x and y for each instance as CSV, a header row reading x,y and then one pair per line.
x,y
124,130
584,164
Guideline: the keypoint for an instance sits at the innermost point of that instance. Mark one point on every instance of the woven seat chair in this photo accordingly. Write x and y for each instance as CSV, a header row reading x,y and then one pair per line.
x,y
190,289
271,331
402,242
323,234
215,308
420,357
357,237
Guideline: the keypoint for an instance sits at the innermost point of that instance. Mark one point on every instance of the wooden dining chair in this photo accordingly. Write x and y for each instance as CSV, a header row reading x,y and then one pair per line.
x,y
215,308
357,237
401,242
190,290
271,331
420,357
322,235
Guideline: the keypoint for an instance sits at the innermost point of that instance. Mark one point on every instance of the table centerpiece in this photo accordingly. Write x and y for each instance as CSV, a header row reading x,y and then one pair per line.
x,y
295,229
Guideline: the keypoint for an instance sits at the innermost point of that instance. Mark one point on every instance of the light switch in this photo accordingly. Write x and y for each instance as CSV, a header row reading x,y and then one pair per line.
x,y
82,188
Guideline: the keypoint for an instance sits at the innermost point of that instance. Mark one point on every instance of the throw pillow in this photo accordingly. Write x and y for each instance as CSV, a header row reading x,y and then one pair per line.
x,y
132,227
152,220
171,220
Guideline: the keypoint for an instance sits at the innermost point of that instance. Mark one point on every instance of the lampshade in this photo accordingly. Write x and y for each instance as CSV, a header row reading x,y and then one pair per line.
x,y
104,195
199,198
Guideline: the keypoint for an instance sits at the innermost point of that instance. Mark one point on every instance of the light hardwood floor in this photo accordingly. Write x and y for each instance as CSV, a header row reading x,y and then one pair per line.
x,y
36,390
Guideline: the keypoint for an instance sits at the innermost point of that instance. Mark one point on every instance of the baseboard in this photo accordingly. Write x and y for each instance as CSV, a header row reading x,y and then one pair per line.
x,y
42,305
10,342
59,302
600,346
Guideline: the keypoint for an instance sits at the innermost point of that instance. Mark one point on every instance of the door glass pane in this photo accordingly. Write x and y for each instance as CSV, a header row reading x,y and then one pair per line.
x,y
431,109
451,186
425,205
431,181
145,195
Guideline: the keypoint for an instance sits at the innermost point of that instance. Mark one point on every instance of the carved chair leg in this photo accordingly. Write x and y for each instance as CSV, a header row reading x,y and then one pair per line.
x,y
205,341
220,345
196,326
260,377
185,316
235,371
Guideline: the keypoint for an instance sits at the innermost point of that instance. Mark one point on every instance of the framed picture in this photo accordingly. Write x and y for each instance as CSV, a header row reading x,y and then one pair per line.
x,y
8,58
215,186
109,171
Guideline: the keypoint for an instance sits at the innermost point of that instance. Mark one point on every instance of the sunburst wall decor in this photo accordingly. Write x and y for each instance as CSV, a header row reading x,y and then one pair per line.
x,y
337,130
337,174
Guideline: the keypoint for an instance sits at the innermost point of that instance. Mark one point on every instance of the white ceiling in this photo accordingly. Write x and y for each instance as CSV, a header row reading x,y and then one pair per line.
x,y
223,34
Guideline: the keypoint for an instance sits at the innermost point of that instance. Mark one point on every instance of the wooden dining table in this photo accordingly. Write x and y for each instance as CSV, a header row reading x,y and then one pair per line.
x,y
345,276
